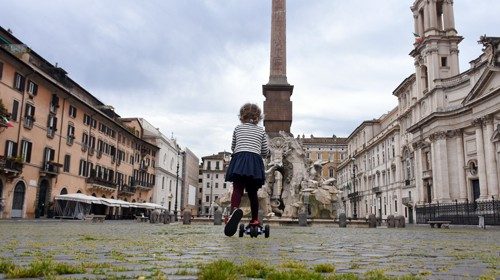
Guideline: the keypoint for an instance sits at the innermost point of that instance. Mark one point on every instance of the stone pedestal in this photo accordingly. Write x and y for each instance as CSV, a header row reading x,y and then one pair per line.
x,y
186,217
303,219
372,221
390,221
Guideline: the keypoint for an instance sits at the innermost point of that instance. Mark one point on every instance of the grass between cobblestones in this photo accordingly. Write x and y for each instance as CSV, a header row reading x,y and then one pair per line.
x,y
291,270
128,250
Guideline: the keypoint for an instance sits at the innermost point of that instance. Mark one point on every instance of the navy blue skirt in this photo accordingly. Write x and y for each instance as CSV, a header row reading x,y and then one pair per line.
x,y
246,166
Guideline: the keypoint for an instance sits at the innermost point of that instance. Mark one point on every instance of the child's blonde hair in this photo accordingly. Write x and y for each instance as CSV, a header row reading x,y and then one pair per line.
x,y
250,113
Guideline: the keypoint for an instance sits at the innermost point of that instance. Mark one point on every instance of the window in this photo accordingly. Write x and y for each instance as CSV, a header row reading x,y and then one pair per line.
x,y
209,165
15,110
1,70
208,184
217,165
216,176
395,206
71,131
51,125
26,150
444,61
216,185
207,198
224,186
72,111
86,119
82,170
67,160
48,154
10,149
19,81
54,103
85,139
32,88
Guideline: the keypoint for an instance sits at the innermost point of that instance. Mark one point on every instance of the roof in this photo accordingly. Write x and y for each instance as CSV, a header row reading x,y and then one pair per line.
x,y
324,140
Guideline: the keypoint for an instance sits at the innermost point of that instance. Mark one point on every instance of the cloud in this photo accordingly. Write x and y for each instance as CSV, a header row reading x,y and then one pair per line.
x,y
187,66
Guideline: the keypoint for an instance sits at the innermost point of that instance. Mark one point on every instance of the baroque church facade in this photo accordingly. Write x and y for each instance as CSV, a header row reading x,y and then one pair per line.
x,y
441,144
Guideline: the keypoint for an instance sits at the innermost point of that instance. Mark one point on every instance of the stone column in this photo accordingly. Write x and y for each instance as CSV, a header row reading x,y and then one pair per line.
x,y
490,160
432,14
426,18
418,173
481,161
442,161
449,14
462,184
435,173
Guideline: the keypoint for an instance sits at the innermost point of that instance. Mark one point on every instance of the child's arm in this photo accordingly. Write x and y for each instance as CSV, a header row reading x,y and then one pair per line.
x,y
264,152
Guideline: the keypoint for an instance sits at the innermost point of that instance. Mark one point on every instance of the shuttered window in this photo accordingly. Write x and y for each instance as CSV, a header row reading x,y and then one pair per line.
x,y
26,150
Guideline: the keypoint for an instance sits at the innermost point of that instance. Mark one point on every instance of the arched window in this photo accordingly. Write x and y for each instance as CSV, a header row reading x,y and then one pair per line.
x,y
64,191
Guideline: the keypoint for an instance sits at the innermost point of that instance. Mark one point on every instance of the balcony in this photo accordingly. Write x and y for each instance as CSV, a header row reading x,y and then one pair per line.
x,y
353,195
376,190
70,139
126,190
51,132
99,154
10,166
50,169
409,184
101,184
142,185
426,174
91,151
28,122
407,201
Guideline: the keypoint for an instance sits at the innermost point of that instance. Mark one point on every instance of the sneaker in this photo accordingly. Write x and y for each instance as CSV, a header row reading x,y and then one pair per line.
x,y
254,223
232,223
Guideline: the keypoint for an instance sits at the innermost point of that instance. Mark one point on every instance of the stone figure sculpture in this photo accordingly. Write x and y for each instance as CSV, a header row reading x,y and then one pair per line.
x,y
293,183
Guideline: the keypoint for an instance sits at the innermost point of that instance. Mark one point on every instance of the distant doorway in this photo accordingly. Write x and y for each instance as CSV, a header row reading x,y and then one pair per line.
x,y
410,215
476,192
42,199
18,200
428,187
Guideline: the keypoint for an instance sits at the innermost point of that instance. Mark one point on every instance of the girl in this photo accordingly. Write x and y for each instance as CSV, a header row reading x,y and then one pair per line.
x,y
246,169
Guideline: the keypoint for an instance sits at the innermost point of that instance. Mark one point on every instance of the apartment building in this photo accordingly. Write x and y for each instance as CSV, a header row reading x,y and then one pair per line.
x,y
213,184
331,151
63,139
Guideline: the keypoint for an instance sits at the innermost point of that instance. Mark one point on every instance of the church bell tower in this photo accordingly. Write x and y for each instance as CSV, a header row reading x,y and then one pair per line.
x,y
436,42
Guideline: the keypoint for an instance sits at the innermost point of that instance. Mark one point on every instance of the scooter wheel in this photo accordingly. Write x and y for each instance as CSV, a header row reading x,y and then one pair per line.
x,y
242,230
267,231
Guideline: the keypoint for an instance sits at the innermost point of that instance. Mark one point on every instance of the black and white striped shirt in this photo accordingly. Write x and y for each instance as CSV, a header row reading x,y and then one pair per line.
x,y
249,137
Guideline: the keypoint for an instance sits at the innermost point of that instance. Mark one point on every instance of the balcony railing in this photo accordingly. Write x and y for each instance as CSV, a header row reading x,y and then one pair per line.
x,y
50,168
100,183
126,190
28,122
51,132
70,139
353,195
406,201
10,165
142,184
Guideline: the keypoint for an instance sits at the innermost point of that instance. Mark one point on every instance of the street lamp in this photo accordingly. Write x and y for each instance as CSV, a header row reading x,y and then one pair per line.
x,y
354,167
176,187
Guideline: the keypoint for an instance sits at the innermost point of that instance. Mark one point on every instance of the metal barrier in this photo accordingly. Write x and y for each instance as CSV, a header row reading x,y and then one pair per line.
x,y
460,213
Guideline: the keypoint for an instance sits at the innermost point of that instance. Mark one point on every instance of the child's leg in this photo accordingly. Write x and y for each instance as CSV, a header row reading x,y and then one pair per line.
x,y
238,188
254,203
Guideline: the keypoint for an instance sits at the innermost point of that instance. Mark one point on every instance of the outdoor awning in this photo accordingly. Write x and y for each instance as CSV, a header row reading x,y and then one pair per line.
x,y
114,202
80,197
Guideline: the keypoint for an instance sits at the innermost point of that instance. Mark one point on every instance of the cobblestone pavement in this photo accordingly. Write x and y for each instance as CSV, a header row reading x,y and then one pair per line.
x,y
132,249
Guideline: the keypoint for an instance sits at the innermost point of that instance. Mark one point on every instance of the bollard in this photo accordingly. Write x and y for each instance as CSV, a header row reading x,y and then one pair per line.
x,y
481,222
261,217
165,217
391,222
186,217
303,219
342,220
372,221
400,221
218,217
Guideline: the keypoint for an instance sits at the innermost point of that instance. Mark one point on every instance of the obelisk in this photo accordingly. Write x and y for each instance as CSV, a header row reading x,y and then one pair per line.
x,y
277,106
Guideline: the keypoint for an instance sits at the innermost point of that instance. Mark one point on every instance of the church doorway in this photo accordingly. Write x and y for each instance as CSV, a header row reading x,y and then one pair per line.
x,y
475,189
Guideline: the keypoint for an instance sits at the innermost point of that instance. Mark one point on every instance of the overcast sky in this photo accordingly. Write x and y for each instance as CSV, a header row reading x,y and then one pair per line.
x,y
187,66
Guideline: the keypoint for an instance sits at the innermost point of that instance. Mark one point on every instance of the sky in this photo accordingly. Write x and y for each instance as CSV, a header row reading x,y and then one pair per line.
x,y
187,66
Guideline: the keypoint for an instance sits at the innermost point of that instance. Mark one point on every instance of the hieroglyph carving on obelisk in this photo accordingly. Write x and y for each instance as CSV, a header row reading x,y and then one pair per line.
x,y
278,43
